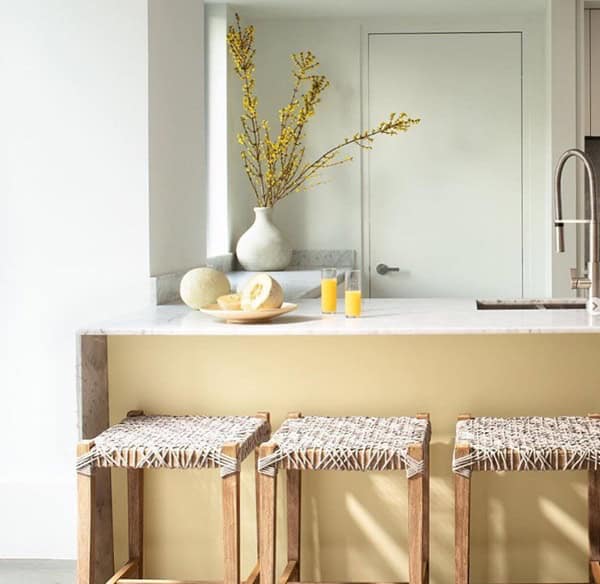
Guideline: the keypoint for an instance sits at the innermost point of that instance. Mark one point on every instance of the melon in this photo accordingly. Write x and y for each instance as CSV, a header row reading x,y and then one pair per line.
x,y
202,286
260,292
230,302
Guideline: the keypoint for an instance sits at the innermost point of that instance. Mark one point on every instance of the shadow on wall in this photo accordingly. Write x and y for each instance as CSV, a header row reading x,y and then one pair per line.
x,y
539,513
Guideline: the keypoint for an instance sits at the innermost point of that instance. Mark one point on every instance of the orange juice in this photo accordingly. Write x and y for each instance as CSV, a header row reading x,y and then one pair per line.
x,y
329,295
353,303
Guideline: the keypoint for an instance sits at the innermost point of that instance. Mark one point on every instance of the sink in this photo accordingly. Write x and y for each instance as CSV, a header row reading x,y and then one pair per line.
x,y
532,304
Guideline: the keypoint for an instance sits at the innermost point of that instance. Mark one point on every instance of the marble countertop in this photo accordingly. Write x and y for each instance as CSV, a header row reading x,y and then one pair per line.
x,y
380,317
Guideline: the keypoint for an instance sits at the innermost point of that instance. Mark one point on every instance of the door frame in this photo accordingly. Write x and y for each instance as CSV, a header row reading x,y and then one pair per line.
x,y
536,205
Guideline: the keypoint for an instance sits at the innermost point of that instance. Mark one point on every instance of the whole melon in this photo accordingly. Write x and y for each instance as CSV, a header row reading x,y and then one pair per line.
x,y
202,286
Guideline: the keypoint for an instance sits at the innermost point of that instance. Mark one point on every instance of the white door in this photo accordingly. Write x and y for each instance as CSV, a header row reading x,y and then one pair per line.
x,y
445,199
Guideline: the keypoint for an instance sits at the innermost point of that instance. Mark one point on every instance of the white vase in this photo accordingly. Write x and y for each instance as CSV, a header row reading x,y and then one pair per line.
x,y
263,247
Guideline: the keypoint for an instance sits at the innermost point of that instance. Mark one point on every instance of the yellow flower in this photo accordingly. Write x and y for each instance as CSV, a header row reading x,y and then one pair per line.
x,y
275,165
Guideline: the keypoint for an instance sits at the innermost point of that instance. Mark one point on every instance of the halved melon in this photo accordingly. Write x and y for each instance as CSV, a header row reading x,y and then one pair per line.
x,y
230,302
260,292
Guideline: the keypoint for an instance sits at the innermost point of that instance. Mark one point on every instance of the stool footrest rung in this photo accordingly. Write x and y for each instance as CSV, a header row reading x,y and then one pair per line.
x,y
254,575
122,572
595,571
338,582
165,581
287,572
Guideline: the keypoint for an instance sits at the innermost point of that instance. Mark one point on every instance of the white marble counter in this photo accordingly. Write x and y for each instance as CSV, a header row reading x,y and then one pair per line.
x,y
380,317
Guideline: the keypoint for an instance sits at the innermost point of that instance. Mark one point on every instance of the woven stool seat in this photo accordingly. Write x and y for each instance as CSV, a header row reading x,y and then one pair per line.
x,y
349,443
176,442
535,443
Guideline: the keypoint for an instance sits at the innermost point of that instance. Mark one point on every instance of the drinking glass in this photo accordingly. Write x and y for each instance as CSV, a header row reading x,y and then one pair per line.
x,y
328,291
352,294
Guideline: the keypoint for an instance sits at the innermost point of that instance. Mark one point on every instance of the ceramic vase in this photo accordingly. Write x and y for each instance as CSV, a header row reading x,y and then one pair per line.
x,y
263,247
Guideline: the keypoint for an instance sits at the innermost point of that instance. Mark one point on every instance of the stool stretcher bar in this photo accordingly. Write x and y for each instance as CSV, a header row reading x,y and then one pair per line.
x,y
122,572
595,572
341,582
161,581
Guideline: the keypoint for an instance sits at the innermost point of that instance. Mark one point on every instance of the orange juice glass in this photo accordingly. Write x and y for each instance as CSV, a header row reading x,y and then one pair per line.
x,y
352,297
328,291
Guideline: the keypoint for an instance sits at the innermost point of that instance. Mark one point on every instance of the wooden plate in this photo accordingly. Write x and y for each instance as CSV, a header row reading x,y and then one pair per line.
x,y
248,316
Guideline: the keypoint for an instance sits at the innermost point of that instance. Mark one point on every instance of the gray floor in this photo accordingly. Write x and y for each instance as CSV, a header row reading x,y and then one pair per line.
x,y
37,572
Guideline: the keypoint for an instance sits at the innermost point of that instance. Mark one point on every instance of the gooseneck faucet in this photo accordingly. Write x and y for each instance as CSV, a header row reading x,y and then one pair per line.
x,y
591,281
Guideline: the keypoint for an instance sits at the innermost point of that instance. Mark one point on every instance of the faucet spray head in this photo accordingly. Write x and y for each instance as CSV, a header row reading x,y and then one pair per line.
x,y
560,236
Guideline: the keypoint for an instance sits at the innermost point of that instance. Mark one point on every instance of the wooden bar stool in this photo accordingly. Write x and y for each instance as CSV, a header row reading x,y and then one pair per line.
x,y
352,443
179,442
524,444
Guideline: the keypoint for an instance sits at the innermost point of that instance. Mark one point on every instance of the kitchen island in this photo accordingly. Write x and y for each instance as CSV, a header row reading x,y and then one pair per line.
x,y
399,358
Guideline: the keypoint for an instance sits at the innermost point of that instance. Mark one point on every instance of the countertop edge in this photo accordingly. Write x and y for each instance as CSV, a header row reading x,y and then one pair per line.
x,y
382,317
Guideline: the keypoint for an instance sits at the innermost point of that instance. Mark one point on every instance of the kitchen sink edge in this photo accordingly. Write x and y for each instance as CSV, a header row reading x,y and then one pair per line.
x,y
531,304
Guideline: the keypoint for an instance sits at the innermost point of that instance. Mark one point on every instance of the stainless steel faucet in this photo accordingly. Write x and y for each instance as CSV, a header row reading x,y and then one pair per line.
x,y
591,281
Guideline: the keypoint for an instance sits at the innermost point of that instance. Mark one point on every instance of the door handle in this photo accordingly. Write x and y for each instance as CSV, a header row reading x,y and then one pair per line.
x,y
383,269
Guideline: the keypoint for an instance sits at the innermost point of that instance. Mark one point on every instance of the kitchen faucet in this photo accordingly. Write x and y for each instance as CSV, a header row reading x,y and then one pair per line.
x,y
591,281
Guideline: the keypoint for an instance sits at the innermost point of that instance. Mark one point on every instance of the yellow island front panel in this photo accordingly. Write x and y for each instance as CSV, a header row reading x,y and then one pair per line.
x,y
527,527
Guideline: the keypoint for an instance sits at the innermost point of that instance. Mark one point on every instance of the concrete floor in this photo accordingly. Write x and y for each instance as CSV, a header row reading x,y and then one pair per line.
x,y
37,572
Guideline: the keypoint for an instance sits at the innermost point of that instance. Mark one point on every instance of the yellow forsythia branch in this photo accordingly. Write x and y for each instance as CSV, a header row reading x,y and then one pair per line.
x,y
275,164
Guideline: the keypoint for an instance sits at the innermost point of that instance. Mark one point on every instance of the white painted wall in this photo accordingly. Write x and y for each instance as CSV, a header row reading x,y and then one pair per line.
x,y
73,236
218,236
74,219
176,134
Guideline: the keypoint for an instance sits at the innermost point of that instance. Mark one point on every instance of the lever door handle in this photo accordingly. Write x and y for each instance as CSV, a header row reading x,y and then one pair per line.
x,y
383,269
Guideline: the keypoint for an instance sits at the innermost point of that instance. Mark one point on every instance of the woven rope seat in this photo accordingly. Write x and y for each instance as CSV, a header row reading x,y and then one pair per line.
x,y
528,443
347,443
182,442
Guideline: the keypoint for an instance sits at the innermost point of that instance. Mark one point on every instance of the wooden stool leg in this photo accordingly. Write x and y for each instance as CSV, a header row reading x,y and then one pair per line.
x,y
86,484
426,532
267,521
135,512
231,520
416,520
462,522
254,577
426,510
594,525
257,494
294,519
267,417
594,519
